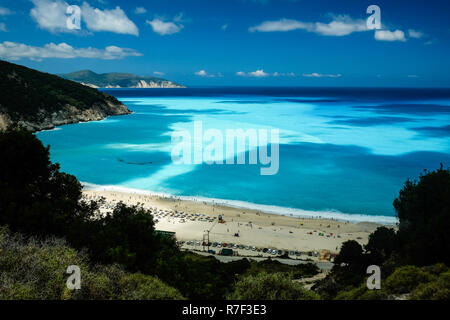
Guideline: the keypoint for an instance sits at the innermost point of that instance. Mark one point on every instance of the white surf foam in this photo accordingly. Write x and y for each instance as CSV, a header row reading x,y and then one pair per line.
x,y
286,211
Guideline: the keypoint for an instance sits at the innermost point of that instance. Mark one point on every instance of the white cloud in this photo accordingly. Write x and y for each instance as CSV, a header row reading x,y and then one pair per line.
x,y
341,25
164,28
140,10
413,76
2,27
280,25
114,20
51,15
320,75
386,35
17,51
158,73
283,74
5,11
415,34
225,27
258,73
203,73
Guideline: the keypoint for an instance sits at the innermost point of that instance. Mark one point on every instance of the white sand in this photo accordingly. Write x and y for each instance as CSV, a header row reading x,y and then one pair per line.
x,y
255,228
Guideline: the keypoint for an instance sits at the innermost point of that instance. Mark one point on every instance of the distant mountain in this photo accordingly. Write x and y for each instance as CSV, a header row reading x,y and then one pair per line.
x,y
40,100
118,80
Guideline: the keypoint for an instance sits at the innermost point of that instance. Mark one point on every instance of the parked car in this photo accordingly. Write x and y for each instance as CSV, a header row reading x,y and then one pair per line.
x,y
254,248
265,250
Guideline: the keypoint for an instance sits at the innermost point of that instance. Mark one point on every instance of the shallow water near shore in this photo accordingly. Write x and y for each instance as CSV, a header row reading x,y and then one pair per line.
x,y
343,152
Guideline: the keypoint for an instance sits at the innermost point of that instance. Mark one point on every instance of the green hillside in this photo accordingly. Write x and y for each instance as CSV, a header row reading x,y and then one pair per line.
x,y
114,79
42,99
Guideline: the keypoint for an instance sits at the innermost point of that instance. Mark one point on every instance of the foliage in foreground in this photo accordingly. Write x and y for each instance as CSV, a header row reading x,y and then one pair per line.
x,y
36,269
274,286
406,282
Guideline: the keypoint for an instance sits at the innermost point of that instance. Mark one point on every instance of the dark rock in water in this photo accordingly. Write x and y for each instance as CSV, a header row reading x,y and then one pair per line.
x,y
136,163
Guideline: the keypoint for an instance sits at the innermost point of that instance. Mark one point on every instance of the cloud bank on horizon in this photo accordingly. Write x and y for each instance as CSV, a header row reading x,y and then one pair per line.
x,y
260,45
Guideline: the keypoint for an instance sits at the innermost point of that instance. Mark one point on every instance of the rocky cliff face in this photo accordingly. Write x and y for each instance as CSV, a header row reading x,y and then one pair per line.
x,y
68,114
152,84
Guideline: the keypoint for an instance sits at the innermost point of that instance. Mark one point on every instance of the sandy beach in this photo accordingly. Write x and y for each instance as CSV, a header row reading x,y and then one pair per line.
x,y
190,220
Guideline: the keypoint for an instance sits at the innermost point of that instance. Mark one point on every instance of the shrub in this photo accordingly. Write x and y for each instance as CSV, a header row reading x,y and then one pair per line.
x,y
405,279
435,290
138,286
264,286
31,268
361,293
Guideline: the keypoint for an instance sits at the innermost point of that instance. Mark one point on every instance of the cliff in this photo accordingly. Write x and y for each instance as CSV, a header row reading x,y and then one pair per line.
x,y
39,101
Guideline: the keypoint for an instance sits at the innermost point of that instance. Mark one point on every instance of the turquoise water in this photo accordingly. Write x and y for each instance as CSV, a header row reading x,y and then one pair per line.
x,y
343,152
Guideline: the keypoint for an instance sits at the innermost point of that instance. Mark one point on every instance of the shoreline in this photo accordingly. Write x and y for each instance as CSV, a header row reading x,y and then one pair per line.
x,y
190,219
263,208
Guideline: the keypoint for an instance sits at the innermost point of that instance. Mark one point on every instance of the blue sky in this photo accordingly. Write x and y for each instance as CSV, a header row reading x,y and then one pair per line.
x,y
236,42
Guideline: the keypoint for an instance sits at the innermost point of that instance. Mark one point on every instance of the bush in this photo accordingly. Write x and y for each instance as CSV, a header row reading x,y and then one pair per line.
x,y
435,290
36,269
138,286
361,293
405,279
264,286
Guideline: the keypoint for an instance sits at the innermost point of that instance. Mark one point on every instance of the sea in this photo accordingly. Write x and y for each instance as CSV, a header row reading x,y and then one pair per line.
x,y
342,153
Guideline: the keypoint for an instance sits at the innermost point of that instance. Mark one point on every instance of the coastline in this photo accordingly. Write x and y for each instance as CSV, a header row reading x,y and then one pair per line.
x,y
255,227
263,208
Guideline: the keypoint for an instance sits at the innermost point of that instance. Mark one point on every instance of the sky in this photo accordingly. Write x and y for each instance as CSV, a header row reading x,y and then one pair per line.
x,y
236,42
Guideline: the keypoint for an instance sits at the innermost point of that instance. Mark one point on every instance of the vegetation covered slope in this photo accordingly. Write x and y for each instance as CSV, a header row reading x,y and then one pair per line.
x,y
122,80
40,100
32,268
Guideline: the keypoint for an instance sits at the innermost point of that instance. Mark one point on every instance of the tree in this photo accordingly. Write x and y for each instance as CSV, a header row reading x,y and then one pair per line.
x,y
35,196
382,243
351,254
423,209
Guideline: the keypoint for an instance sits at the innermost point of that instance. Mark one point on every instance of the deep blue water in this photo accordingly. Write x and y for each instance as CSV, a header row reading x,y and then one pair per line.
x,y
342,150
